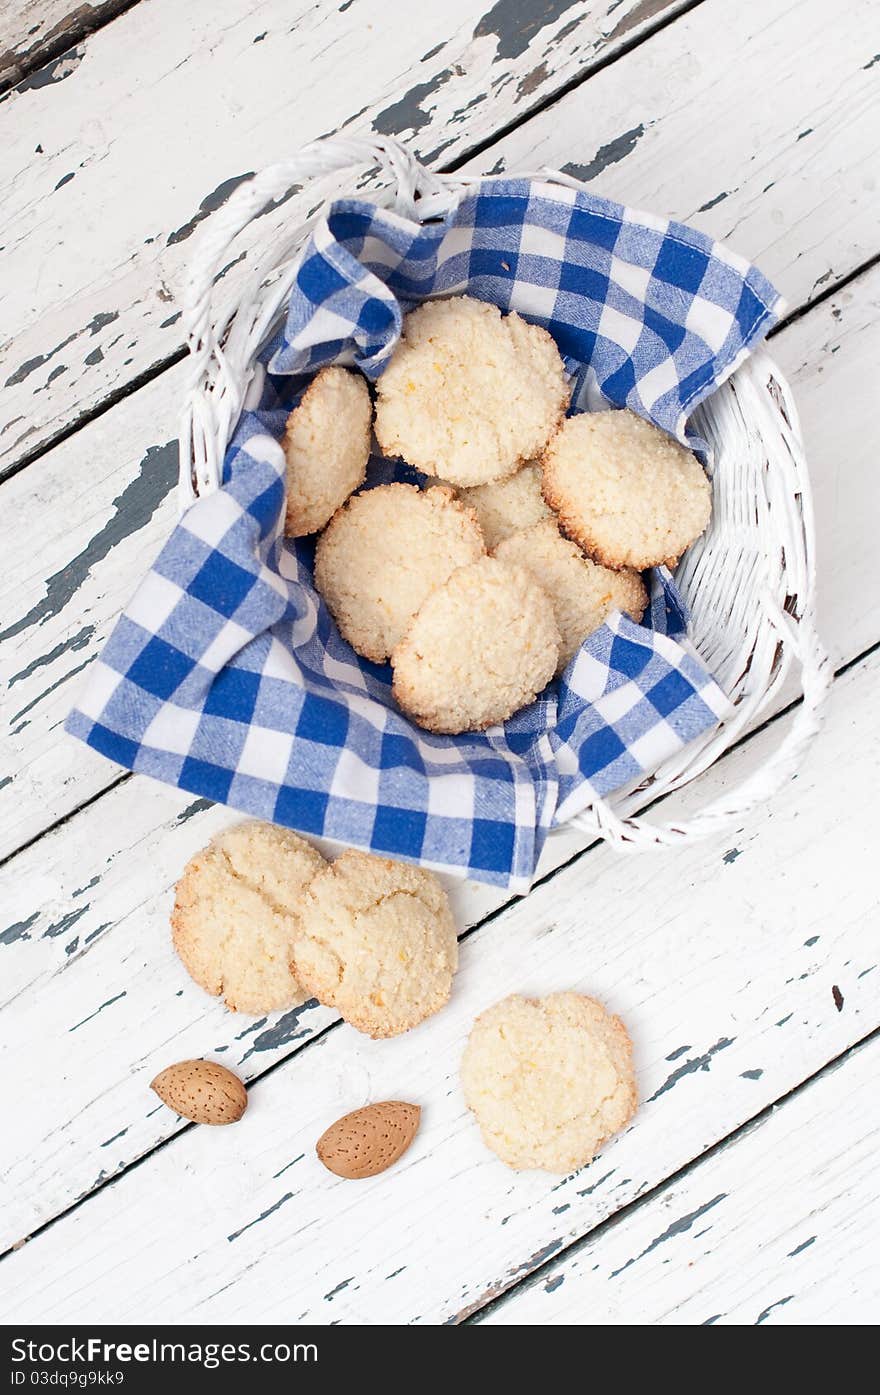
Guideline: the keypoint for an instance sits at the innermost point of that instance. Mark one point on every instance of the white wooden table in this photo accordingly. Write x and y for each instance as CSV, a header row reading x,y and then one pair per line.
x,y
745,1191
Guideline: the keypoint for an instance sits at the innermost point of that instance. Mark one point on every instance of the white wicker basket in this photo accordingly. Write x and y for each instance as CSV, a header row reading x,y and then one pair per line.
x,y
749,582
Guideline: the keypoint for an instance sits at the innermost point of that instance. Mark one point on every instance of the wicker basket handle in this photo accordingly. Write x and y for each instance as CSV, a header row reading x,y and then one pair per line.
x,y
222,345
631,833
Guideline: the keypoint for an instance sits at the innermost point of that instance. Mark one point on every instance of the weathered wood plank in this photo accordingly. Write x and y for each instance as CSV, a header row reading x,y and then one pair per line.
x,y
781,1226
35,32
152,836
672,943
734,119
120,150
106,500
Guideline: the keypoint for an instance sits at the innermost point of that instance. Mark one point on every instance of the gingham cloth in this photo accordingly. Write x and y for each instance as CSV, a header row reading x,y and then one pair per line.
x,y
227,677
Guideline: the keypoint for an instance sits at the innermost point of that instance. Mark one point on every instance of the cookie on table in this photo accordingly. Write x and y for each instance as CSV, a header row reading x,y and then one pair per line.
x,y
624,491
508,506
549,1080
378,943
469,393
481,647
384,552
327,445
236,915
582,592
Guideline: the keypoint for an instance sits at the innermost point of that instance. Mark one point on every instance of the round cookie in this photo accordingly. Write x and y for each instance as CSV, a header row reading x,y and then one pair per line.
x,y
378,943
548,1079
582,592
480,648
327,445
469,393
384,552
625,492
508,506
237,914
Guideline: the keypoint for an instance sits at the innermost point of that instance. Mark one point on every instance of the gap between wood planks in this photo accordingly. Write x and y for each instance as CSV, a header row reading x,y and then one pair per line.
x,y
745,153
79,24
119,394
323,1033
626,98
724,992
827,293
106,405
115,396
477,1314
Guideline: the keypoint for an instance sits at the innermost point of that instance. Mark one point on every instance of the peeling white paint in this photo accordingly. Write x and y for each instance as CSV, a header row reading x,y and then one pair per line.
x,y
172,104
781,1226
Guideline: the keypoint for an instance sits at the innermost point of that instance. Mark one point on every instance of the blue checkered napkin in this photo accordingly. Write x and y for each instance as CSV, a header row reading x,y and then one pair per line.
x,y
226,676
649,314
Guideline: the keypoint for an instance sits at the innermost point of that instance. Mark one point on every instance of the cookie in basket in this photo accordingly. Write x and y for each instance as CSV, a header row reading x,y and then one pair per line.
x,y
624,491
508,506
549,1080
384,552
237,914
469,393
327,446
582,591
378,943
481,647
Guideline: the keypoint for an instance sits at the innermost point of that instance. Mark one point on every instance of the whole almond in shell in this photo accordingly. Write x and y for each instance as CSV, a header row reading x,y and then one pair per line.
x,y
369,1140
202,1091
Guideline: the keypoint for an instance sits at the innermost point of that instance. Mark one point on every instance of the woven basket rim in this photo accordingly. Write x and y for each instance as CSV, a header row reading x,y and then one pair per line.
x,y
761,540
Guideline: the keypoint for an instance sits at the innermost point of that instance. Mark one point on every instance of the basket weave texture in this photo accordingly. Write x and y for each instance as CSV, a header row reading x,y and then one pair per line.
x,y
749,581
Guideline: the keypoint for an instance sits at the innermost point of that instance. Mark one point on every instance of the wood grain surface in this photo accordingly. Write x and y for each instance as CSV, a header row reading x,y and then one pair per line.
x,y
145,129
110,485
61,604
747,970
779,1226
35,34
764,941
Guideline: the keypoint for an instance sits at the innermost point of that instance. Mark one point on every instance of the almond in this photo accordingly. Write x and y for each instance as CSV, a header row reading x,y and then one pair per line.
x,y
369,1140
203,1091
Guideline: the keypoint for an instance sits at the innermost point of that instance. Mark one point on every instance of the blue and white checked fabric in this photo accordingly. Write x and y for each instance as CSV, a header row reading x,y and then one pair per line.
x,y
226,676
648,313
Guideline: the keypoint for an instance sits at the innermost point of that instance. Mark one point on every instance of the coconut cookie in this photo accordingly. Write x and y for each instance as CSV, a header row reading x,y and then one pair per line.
x,y
627,493
327,445
378,943
479,649
384,552
549,1080
508,506
582,592
469,393
237,914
